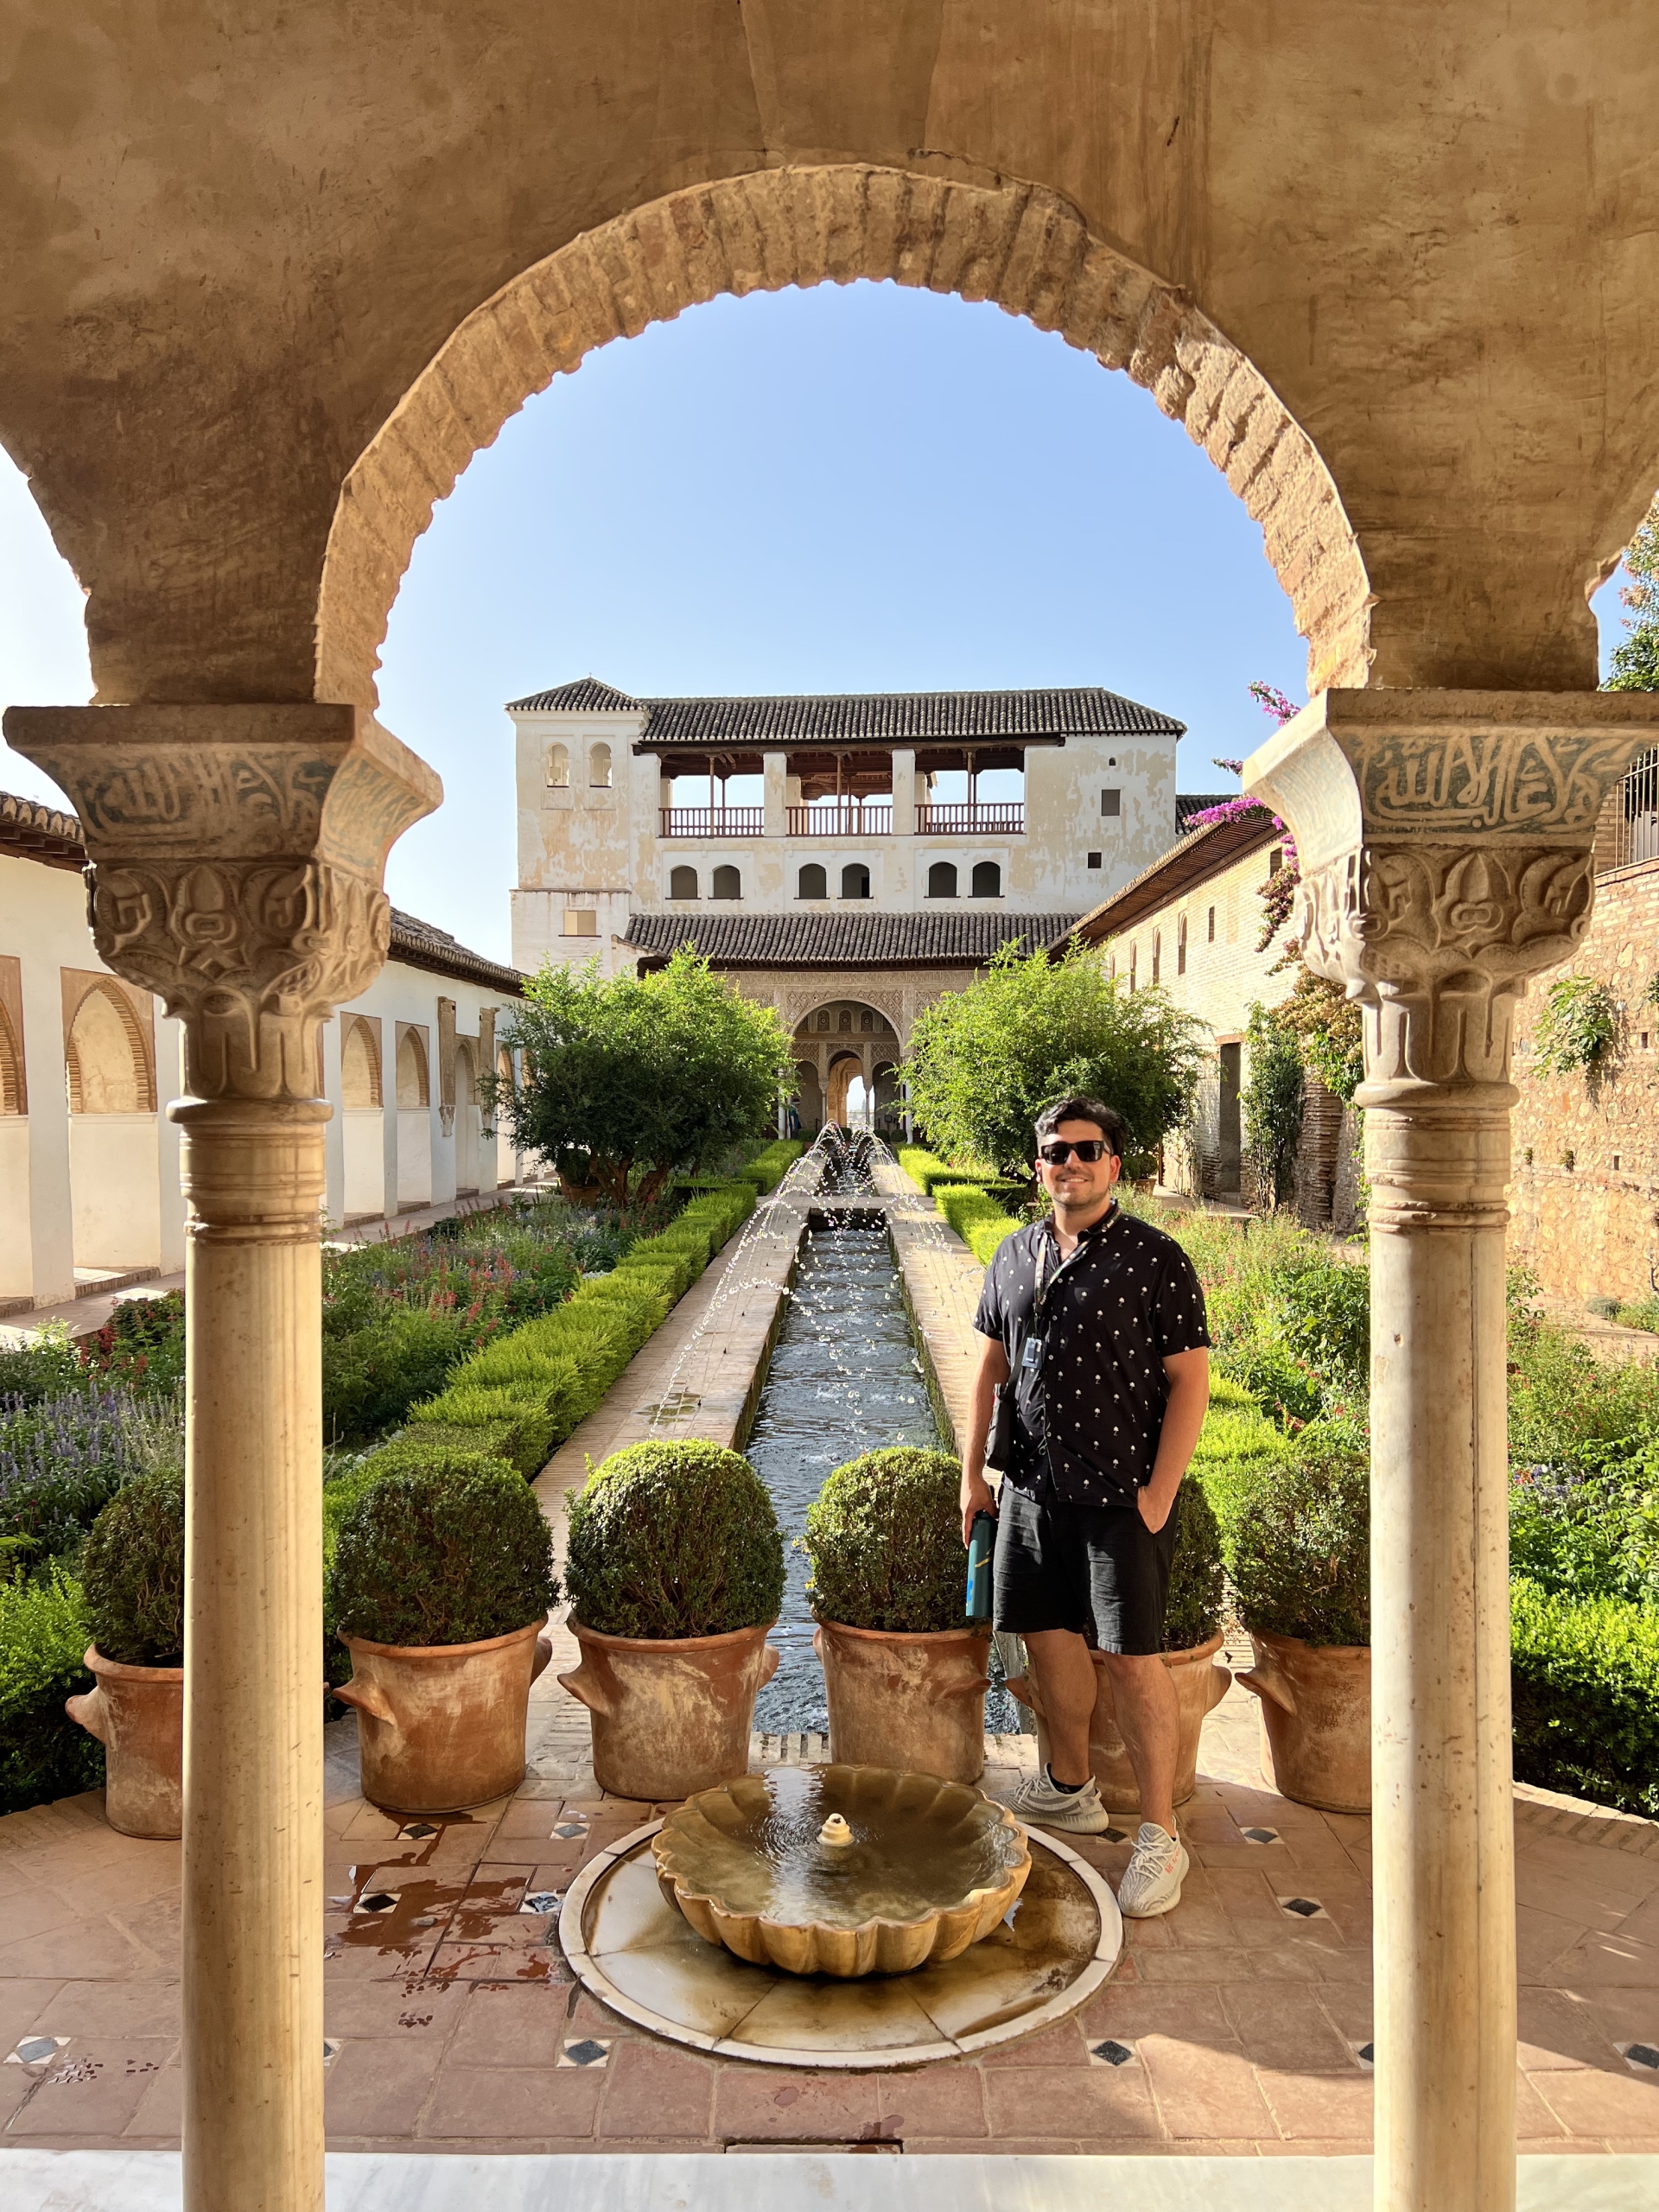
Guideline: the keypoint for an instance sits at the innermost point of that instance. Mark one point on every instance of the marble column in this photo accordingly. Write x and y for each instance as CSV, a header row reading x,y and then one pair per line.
x,y
1445,840
237,854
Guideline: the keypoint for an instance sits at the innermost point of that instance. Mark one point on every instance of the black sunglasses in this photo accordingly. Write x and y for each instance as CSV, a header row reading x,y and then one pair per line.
x,y
1057,1154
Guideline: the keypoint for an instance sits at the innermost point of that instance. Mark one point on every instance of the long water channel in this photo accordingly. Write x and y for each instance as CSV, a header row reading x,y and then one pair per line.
x,y
845,1378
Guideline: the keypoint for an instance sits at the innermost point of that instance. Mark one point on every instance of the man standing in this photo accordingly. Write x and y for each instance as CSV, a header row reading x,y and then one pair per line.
x,y
1100,1320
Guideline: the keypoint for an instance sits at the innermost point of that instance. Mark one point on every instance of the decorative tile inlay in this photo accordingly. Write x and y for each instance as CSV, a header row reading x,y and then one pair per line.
x,y
1260,1835
1304,1908
1366,2054
35,2051
541,1901
590,2051
377,1901
1110,2053
1642,2055
1115,1835
571,1829
417,1831
330,2050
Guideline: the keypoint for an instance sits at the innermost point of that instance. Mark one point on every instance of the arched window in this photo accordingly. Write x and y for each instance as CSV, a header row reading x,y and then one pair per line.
x,y
1157,952
412,1089
813,883
682,883
108,1067
727,884
988,879
1134,955
866,1023
359,1066
558,767
1180,945
942,880
599,767
844,1021
823,1017
854,881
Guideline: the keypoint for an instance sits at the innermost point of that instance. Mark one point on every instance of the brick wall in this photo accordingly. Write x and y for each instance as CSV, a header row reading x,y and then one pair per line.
x,y
1591,1229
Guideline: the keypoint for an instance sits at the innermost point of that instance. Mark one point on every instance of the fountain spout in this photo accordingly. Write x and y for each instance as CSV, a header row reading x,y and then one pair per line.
x,y
834,1831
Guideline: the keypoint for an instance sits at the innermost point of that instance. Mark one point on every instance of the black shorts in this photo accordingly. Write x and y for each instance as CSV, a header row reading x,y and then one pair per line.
x,y
1098,1570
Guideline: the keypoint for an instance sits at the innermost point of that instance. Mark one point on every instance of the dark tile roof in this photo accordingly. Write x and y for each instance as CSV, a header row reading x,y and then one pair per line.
x,y
961,939
1200,854
587,696
1187,803
32,830
417,944
876,717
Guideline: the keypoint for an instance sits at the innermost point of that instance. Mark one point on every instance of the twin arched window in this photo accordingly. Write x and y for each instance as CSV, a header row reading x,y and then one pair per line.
x,y
987,879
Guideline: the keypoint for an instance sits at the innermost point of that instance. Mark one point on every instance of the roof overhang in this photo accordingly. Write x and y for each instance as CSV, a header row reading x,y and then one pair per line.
x,y
1204,854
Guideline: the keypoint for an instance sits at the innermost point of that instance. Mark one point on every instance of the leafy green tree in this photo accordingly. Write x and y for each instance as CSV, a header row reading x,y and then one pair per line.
x,y
986,1060
1636,661
1272,1105
635,1077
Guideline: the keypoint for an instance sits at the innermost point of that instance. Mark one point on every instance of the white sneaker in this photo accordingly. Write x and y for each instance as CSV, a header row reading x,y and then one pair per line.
x,y
1076,1812
1152,1880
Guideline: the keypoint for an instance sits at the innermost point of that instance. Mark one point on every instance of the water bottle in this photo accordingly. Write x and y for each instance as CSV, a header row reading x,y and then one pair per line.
x,y
981,1539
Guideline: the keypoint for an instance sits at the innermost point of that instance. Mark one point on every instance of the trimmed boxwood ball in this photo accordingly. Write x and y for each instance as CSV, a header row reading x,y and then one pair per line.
x,y
132,1572
439,1555
674,1539
884,1536
1297,1538
1196,1577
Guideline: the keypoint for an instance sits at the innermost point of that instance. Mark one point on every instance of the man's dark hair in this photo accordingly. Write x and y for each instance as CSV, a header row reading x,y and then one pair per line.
x,y
1110,1124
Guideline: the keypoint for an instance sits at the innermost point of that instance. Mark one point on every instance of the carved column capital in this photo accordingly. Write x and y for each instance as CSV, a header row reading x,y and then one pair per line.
x,y
1445,841
235,855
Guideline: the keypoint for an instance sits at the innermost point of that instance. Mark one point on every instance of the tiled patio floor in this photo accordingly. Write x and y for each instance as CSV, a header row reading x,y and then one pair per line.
x,y
453,2023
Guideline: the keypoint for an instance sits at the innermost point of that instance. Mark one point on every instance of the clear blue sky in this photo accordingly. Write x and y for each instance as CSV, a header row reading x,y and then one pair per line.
x,y
839,490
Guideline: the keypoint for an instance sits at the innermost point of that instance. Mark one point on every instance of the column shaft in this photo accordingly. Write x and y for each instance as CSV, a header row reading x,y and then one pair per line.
x,y
253,2130
1443,1930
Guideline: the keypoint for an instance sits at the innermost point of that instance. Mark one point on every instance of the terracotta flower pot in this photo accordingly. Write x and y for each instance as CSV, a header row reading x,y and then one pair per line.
x,y
137,1714
440,1727
670,1715
1200,1684
916,1702
1316,1719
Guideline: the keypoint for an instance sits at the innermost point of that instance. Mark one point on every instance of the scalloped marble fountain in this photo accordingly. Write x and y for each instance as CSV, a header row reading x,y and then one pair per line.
x,y
842,1871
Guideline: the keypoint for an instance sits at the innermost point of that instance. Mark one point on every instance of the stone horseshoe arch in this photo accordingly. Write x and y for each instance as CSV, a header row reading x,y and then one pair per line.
x,y
1019,244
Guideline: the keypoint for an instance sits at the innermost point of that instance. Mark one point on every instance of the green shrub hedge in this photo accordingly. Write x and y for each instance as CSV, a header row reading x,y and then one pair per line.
x,y
439,1555
926,1169
768,1168
1198,1577
43,1639
132,1572
1296,1536
976,1217
671,1539
1585,1672
884,1537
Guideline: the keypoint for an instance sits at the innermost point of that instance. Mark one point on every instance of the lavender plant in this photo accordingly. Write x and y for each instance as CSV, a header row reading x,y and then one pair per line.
x,y
62,1461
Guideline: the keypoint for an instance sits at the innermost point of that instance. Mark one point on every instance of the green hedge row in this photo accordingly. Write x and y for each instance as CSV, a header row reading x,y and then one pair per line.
x,y
768,1168
926,1169
525,1392
976,1217
1585,1672
43,1637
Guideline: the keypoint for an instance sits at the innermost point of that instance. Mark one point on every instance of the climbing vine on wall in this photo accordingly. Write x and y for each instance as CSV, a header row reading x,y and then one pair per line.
x,y
1577,1027
1272,1105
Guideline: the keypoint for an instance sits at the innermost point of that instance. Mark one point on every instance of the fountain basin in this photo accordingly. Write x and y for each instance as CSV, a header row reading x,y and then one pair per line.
x,y
932,1867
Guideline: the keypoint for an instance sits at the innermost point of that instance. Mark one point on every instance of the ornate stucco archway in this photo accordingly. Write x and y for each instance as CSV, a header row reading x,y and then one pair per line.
x,y
1023,247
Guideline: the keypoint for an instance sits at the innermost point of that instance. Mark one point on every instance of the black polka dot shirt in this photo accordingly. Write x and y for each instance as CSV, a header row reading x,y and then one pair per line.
x,y
1088,1418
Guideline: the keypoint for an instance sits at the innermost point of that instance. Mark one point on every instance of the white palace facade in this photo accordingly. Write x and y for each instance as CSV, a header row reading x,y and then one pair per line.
x,y
844,858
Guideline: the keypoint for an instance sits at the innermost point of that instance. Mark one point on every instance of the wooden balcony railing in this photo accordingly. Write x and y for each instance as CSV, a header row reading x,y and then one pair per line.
x,y
714,821
844,817
1003,819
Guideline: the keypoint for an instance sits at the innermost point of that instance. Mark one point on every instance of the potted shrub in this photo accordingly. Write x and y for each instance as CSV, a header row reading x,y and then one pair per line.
x,y
1298,1545
132,1574
1191,1639
674,1567
441,1581
906,1675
